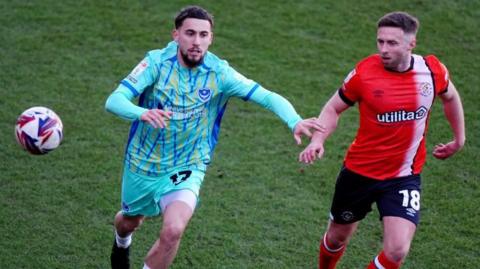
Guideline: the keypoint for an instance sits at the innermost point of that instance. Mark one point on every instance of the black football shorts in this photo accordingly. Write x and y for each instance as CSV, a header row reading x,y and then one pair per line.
x,y
355,194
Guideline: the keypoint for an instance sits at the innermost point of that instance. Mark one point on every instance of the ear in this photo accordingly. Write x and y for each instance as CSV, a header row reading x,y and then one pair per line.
x,y
175,35
413,43
211,37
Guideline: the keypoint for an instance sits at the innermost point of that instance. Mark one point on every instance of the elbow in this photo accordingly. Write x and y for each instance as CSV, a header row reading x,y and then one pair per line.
x,y
109,104
460,141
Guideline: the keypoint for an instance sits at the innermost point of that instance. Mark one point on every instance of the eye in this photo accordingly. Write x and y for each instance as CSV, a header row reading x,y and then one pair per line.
x,y
204,34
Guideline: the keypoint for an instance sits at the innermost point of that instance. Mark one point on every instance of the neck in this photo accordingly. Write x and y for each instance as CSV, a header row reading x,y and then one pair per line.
x,y
404,65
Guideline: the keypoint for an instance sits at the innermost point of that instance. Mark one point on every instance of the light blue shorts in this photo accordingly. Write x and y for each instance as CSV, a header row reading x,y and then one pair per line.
x,y
141,194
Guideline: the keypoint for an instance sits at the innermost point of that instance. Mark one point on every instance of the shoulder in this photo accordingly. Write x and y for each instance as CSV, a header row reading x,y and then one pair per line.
x,y
436,66
432,59
366,65
161,55
434,63
439,71
371,62
214,63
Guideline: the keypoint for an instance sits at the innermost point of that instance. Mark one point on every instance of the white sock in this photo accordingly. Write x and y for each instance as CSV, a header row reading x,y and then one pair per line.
x,y
145,266
123,242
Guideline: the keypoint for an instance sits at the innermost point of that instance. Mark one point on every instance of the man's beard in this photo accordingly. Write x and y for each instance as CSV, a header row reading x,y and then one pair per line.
x,y
189,62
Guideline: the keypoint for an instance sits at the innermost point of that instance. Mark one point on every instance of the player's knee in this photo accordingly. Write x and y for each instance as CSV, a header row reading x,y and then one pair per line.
x,y
126,225
338,237
337,242
171,233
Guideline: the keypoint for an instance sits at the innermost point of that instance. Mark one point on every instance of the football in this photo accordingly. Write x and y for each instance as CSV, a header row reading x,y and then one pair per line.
x,y
39,130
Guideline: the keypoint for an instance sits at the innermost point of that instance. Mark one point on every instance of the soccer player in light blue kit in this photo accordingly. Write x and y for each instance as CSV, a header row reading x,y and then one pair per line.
x,y
183,91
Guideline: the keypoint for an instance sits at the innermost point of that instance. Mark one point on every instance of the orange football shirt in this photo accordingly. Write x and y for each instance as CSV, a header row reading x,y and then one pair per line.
x,y
394,111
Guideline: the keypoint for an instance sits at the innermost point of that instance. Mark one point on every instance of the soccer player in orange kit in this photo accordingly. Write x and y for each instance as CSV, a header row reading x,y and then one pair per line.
x,y
395,90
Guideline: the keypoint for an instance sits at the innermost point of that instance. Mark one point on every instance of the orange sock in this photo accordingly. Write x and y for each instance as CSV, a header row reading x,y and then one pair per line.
x,y
381,261
328,258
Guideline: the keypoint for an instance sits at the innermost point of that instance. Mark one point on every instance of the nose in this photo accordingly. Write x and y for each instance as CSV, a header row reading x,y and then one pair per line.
x,y
196,40
382,48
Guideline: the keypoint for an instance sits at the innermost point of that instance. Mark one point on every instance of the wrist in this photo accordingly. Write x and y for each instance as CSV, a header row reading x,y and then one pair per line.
x,y
318,137
459,142
293,123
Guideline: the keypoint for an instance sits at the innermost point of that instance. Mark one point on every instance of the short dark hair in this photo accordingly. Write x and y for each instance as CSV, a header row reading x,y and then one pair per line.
x,y
194,12
408,23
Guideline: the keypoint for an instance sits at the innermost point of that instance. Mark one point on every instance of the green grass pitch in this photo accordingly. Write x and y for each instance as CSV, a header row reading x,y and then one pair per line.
x,y
257,209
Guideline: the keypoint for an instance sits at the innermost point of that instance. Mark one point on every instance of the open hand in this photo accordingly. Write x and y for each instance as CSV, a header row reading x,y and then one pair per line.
x,y
156,117
304,127
312,152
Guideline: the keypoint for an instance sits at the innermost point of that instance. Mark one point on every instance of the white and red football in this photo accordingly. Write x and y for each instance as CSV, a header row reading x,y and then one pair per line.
x,y
39,130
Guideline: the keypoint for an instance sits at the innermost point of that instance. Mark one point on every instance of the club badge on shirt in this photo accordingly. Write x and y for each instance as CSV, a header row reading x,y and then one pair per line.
x,y
426,89
204,94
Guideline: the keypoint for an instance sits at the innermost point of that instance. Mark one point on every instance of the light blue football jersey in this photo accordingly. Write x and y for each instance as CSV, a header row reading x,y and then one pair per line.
x,y
196,96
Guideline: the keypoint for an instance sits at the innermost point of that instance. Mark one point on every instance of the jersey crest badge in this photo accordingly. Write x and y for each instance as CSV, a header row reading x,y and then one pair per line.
x,y
426,89
204,94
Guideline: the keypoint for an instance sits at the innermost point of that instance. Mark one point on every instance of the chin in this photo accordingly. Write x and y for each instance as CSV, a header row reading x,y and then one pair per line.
x,y
195,60
389,65
193,63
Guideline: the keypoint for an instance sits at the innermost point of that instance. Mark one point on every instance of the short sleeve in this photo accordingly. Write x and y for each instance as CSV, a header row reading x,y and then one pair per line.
x,y
349,92
440,74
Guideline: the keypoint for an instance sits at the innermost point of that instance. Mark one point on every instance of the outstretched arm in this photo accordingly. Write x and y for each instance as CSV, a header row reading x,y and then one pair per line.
x,y
453,110
285,111
329,119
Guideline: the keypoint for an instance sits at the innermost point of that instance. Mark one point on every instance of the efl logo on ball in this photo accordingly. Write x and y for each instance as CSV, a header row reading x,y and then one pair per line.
x,y
39,130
